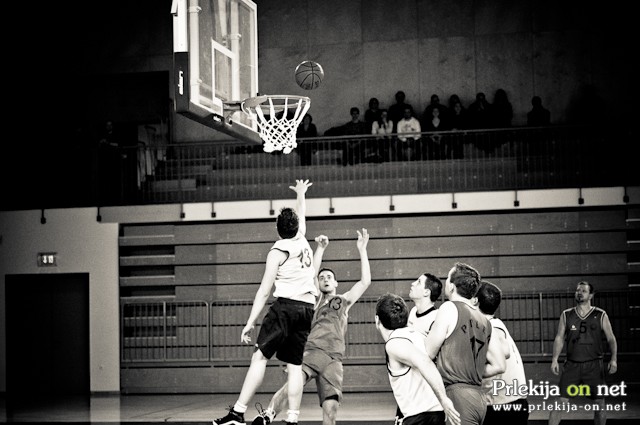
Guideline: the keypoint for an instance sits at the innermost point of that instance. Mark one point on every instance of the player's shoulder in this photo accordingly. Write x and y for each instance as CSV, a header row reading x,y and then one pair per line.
x,y
447,306
406,333
285,243
567,311
497,323
599,312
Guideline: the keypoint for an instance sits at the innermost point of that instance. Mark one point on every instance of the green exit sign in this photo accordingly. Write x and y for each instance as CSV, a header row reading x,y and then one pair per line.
x,y
47,259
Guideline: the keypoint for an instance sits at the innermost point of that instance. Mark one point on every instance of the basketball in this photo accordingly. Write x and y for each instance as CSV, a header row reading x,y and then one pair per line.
x,y
309,75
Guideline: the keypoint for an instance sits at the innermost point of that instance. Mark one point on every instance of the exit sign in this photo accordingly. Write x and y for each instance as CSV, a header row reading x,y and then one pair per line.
x,y
47,259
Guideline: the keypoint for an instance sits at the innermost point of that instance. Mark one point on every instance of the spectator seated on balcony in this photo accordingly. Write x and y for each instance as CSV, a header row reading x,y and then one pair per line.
x,y
480,112
435,142
372,114
382,128
502,110
458,120
435,103
501,115
352,150
538,116
306,149
396,111
481,117
408,129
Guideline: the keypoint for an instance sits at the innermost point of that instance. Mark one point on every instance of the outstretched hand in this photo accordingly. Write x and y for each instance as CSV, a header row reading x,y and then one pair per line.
x,y
363,239
301,186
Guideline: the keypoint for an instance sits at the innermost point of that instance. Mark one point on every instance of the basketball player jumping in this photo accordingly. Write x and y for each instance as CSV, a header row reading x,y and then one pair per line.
x,y
326,345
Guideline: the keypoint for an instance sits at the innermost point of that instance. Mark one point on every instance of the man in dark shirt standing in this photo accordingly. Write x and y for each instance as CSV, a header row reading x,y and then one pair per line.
x,y
582,327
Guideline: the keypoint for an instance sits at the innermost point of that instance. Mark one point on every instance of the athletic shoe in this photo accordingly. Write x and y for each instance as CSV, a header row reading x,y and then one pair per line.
x,y
262,418
232,418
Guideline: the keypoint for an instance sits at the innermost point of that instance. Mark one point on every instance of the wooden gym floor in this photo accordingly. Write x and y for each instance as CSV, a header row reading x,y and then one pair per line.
x,y
357,408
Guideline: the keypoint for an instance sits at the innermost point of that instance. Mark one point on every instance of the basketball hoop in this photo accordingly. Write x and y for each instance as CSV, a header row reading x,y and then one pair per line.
x,y
278,118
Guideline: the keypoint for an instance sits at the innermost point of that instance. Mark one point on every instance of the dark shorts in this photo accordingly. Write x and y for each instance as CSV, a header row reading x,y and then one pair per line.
x,y
516,413
589,373
469,401
285,329
425,418
328,373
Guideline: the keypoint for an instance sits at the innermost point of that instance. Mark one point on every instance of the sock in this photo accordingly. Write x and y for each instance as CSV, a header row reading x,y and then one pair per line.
x,y
292,416
240,408
271,414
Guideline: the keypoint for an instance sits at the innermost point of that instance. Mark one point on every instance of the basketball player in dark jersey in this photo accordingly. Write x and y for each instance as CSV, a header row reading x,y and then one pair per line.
x,y
325,347
460,343
582,328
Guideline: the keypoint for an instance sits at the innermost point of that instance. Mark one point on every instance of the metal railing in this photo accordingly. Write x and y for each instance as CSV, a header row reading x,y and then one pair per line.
x,y
177,331
452,161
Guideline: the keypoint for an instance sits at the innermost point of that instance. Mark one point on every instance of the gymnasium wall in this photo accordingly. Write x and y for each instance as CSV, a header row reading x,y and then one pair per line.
x,y
573,54
570,53
519,250
534,256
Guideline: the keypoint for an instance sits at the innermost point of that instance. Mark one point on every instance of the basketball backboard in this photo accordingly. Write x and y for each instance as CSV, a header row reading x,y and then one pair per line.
x,y
215,50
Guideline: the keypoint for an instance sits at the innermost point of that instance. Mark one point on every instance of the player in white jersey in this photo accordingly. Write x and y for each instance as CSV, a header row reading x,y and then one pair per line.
x,y
325,348
285,328
417,386
424,293
489,297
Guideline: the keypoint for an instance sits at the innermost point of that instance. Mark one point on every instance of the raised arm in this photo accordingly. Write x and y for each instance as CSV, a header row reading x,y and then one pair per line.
x,y
358,289
301,208
323,242
274,259
558,343
613,344
403,351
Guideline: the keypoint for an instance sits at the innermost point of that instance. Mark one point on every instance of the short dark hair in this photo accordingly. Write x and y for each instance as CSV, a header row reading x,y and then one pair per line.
x,y
287,223
433,284
354,109
489,297
392,311
466,280
326,269
590,286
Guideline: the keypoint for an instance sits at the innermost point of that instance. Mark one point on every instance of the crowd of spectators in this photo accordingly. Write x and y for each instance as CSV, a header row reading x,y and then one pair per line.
x,y
402,134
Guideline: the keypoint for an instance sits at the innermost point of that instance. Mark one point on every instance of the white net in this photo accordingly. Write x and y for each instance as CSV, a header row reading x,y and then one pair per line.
x,y
278,118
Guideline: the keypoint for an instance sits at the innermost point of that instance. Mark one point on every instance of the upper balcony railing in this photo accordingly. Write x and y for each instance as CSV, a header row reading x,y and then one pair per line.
x,y
452,161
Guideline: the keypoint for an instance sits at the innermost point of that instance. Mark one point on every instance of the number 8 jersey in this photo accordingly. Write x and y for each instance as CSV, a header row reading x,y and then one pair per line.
x,y
295,277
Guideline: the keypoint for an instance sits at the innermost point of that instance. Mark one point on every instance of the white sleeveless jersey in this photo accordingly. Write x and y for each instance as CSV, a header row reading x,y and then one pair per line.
x,y
514,370
411,391
422,322
295,277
